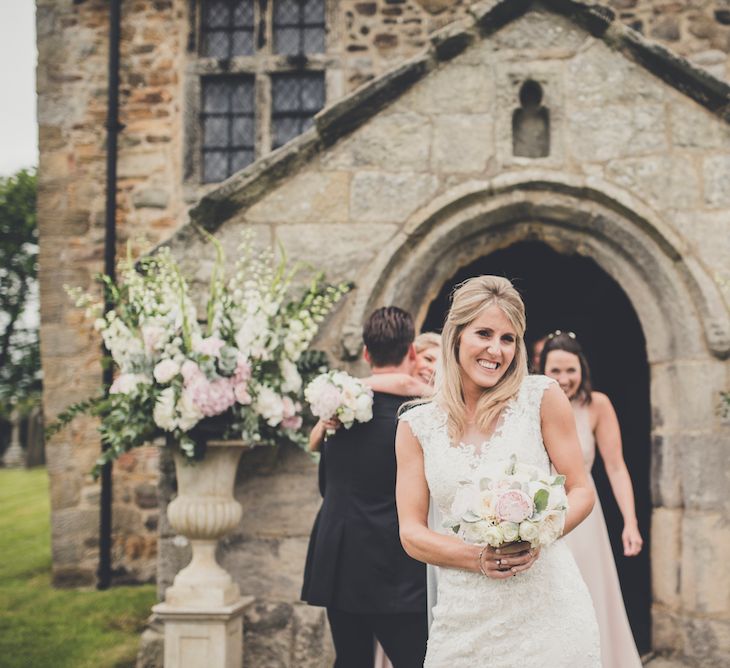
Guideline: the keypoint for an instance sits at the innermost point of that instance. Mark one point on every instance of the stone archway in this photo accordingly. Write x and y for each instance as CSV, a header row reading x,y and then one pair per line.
x,y
686,325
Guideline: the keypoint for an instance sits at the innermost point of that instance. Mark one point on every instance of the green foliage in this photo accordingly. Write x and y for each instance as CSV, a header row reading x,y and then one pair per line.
x,y
42,626
19,347
725,404
541,500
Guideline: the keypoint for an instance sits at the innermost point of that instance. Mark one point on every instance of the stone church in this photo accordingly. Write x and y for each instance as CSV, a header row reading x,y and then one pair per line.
x,y
582,150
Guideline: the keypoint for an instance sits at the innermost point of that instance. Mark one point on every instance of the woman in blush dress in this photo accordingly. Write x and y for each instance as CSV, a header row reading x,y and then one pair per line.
x,y
563,360
512,606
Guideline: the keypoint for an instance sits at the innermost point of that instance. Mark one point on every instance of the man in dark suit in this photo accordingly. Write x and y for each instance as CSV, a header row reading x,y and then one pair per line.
x,y
356,566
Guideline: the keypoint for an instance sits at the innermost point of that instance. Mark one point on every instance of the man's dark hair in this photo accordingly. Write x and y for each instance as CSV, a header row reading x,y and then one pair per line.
x,y
387,333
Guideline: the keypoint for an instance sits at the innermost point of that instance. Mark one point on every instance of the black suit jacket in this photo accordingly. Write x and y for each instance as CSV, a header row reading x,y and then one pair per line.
x,y
355,560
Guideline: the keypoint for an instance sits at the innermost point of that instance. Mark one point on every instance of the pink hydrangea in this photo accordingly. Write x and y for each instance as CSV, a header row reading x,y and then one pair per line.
x,y
212,398
191,371
243,370
291,419
513,506
240,391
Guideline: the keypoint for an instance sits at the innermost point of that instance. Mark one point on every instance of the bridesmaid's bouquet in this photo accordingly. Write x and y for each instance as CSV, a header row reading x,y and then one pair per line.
x,y
510,502
336,394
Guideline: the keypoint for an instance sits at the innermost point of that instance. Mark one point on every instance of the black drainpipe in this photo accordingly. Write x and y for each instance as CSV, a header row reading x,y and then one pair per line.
x,y
110,243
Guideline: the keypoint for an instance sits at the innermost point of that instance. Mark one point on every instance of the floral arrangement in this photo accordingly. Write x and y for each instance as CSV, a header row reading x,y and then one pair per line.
x,y
336,394
510,502
238,374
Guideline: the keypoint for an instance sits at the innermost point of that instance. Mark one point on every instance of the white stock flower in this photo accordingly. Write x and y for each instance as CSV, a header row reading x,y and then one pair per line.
x,y
164,413
165,371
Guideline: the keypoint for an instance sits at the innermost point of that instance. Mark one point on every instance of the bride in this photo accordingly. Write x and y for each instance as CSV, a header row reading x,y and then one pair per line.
x,y
509,606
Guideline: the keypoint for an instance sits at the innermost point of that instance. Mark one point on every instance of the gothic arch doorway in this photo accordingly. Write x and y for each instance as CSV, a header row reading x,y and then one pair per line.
x,y
572,292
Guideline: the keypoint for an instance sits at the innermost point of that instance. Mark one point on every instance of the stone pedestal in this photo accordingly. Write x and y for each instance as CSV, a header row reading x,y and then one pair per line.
x,y
203,608
203,637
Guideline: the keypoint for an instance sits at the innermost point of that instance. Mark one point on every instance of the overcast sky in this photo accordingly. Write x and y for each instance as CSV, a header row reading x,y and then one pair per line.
x,y
18,131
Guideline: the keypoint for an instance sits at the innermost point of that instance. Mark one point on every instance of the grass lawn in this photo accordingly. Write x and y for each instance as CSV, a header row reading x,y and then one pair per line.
x,y
43,627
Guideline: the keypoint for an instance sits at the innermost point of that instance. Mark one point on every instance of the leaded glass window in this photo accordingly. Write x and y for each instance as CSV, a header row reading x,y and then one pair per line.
x,y
295,99
228,125
227,28
299,27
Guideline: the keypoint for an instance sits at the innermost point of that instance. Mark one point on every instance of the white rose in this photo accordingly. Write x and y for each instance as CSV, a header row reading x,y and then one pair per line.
x,y
529,532
346,415
510,531
164,411
551,527
558,498
493,535
165,371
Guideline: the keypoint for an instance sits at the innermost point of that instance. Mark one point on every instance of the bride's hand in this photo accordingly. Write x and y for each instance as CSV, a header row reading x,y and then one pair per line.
x,y
509,560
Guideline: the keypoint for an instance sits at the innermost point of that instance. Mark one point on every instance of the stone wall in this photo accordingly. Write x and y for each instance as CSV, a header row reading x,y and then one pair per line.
x,y
72,90
430,183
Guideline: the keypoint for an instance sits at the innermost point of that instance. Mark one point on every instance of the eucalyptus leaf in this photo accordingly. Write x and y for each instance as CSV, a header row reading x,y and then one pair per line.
x,y
541,500
559,480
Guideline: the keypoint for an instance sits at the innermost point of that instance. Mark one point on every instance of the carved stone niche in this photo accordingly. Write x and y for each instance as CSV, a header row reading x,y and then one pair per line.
x,y
436,6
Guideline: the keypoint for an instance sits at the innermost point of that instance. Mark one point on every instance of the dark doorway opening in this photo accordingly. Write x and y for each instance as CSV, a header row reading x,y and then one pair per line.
x,y
571,292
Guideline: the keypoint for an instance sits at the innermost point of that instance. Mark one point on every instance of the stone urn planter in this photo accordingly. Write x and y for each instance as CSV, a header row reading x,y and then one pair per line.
x,y
203,608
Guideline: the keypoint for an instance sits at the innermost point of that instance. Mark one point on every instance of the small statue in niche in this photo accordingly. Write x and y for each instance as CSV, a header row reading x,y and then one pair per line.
x,y
531,123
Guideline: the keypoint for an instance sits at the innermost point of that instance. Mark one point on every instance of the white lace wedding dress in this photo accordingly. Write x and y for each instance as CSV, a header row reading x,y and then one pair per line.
x,y
543,617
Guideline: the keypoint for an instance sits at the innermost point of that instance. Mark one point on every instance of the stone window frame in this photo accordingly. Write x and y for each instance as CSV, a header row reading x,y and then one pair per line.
x,y
261,66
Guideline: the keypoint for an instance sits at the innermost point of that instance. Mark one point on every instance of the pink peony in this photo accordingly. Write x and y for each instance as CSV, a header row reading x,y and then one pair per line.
x,y
513,506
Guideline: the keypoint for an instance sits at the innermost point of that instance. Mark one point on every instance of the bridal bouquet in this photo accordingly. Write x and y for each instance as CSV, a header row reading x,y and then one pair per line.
x,y
336,394
234,370
510,502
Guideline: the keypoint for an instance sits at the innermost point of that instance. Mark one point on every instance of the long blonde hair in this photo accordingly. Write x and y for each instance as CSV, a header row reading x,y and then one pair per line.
x,y
469,300
426,340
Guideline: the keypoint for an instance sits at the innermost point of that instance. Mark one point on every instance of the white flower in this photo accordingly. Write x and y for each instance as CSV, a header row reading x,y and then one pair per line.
x,y
165,371
530,532
551,527
127,383
189,413
269,405
364,408
153,336
164,413
510,531
292,379
492,535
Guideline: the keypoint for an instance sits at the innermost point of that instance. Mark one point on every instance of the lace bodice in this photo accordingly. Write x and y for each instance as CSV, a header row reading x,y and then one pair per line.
x,y
518,432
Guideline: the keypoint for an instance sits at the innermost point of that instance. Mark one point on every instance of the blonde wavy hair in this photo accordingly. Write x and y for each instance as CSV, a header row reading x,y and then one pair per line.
x,y
427,340
469,300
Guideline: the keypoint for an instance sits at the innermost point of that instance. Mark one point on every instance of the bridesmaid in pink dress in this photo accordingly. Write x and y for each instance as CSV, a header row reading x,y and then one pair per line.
x,y
562,359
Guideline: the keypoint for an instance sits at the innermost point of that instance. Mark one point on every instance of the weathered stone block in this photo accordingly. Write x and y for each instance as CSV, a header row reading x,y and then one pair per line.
x,y
153,198
341,251
716,172
310,197
693,126
540,31
312,640
453,89
462,142
666,633
666,550
378,197
267,635
665,184
616,132
666,472
707,641
704,470
705,582
145,495
395,142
